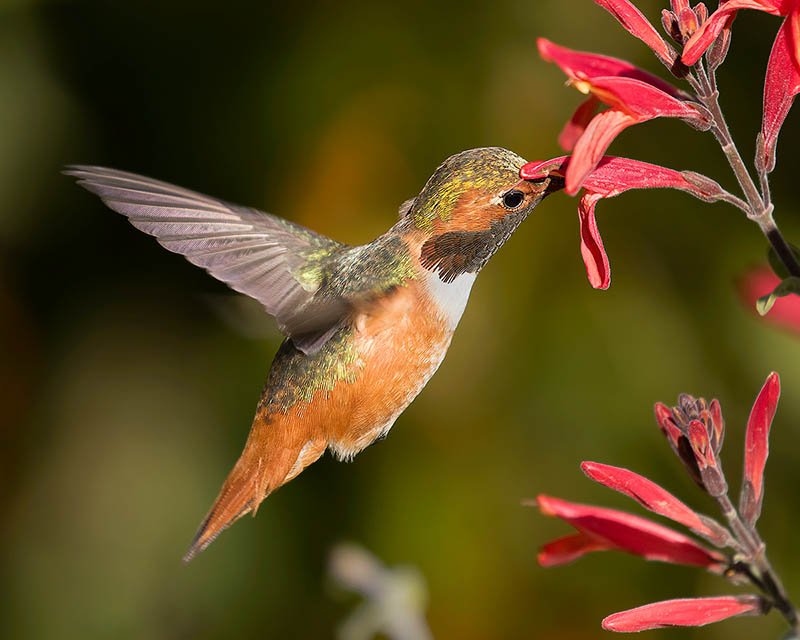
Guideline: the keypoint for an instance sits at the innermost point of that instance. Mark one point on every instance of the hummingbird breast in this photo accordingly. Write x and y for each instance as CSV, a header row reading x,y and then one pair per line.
x,y
350,393
401,340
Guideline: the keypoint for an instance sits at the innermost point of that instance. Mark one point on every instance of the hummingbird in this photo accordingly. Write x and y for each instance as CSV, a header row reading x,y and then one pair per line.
x,y
366,326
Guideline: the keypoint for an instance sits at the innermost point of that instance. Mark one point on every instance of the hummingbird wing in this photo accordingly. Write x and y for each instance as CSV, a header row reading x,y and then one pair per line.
x,y
279,263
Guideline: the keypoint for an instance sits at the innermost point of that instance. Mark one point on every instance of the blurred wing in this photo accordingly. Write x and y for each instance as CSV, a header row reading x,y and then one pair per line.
x,y
275,261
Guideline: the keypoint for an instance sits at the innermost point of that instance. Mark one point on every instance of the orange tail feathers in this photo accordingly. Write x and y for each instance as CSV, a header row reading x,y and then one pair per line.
x,y
267,462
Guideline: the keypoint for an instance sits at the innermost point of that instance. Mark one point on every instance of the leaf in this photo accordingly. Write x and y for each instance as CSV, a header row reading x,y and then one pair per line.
x,y
777,265
786,287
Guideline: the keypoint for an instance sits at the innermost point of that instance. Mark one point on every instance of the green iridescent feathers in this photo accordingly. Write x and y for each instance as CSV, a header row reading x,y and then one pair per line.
x,y
486,169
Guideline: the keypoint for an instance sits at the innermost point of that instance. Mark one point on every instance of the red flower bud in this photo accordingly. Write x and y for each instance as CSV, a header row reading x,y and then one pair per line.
x,y
685,612
757,448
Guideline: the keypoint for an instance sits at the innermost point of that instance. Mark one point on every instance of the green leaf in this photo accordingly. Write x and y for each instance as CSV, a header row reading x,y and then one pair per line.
x,y
775,262
785,288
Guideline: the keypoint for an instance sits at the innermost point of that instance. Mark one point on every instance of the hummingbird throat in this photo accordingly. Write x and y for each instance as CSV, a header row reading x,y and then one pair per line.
x,y
454,253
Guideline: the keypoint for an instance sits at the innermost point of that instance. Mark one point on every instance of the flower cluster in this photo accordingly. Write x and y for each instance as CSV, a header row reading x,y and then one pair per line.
x,y
783,70
620,95
695,430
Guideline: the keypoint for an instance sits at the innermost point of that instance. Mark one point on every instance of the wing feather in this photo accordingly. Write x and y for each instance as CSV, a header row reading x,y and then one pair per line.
x,y
252,252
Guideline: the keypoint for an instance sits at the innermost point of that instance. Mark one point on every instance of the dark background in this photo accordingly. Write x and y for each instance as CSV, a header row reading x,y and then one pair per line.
x,y
126,395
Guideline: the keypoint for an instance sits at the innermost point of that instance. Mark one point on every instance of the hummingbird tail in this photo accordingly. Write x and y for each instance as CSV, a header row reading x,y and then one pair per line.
x,y
266,463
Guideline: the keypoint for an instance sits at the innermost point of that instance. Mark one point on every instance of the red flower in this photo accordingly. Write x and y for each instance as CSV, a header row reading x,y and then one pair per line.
x,y
684,612
632,19
784,313
608,178
782,83
757,448
633,95
607,529
707,32
653,497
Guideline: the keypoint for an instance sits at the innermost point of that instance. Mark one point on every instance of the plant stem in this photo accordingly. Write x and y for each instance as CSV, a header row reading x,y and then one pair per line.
x,y
760,208
758,569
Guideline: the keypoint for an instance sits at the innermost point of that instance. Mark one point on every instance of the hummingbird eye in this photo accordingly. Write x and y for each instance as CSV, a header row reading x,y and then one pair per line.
x,y
512,199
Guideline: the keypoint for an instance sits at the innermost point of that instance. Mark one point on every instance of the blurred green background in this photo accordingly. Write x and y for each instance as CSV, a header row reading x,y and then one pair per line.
x,y
127,397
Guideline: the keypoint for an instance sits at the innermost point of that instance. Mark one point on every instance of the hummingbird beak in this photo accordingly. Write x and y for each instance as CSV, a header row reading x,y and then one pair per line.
x,y
547,185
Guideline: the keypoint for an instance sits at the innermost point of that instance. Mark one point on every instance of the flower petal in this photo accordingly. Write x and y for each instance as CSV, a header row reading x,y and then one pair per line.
x,y
635,535
650,496
581,65
598,268
577,123
794,35
782,84
701,40
635,23
643,99
614,176
568,549
591,146
543,168
684,612
757,448
609,178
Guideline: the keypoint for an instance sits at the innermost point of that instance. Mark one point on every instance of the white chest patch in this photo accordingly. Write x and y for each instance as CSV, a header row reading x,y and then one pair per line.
x,y
451,297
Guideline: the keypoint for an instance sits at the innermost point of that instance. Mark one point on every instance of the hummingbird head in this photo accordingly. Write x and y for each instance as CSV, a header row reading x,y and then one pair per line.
x,y
469,207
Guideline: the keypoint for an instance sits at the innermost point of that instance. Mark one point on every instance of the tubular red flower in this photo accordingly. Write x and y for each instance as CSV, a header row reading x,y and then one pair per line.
x,y
634,96
595,258
568,549
635,23
781,85
703,38
649,495
582,65
757,448
684,612
577,124
610,177
604,529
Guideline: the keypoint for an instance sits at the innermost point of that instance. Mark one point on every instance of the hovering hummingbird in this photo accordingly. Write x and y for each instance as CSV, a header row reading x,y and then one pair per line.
x,y
366,326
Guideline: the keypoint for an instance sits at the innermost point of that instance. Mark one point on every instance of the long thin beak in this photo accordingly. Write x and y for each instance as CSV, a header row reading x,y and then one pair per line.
x,y
549,184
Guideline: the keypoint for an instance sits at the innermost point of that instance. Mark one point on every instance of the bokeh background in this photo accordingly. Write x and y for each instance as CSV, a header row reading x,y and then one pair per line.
x,y
128,377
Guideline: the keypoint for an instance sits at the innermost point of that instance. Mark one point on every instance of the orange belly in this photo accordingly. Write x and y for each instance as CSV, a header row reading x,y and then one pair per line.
x,y
402,342
343,398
